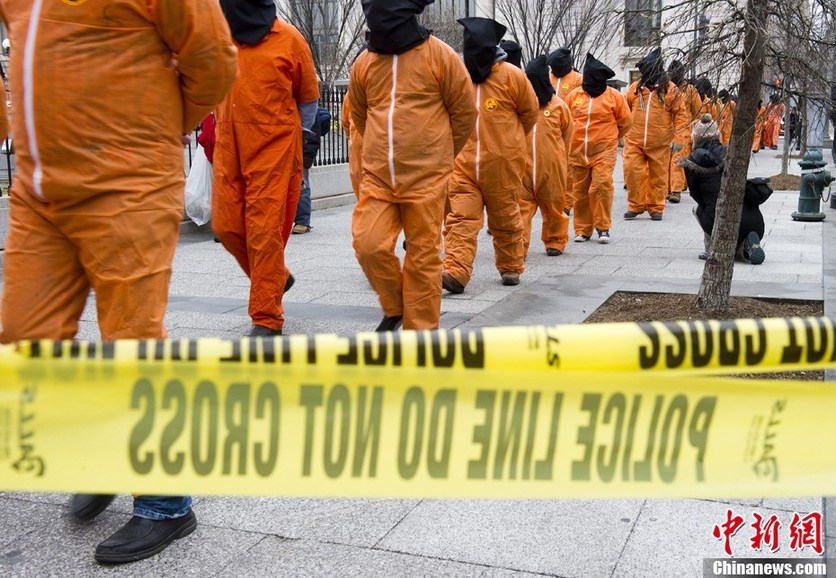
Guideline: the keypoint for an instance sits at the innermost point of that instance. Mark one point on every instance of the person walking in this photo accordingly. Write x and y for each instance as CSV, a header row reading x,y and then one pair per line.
x,y
760,123
600,118
774,115
406,80
544,184
728,107
258,155
693,105
488,173
97,197
660,126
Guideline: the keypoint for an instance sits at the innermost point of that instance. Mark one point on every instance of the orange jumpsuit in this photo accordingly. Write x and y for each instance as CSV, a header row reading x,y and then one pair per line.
x,y
566,84
546,172
772,130
598,124
563,86
693,104
97,198
258,163
726,121
415,112
760,122
657,123
4,112
488,175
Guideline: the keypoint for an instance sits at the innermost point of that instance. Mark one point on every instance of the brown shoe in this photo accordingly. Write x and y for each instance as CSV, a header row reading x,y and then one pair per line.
x,y
674,197
450,284
509,278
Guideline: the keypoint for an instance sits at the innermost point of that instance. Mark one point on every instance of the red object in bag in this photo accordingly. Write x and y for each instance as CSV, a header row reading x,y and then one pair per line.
x,y
206,138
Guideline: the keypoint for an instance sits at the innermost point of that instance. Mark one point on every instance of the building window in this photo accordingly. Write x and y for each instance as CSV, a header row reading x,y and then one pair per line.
x,y
642,22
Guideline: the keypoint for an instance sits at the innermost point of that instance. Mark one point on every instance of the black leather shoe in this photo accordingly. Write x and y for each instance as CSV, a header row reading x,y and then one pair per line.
x,y
261,331
390,323
85,507
141,538
289,283
450,284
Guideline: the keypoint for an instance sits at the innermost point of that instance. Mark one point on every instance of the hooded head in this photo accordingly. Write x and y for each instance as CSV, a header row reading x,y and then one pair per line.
x,y
249,20
676,72
774,98
703,86
514,52
537,72
595,76
652,68
560,61
393,24
481,40
723,95
704,131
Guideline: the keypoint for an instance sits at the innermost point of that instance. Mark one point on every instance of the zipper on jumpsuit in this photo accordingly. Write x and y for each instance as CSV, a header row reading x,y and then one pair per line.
x,y
534,155
647,117
391,126
586,132
29,96
478,116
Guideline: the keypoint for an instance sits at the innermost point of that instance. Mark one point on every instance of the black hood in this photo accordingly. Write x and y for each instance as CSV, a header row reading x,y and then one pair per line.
x,y
703,86
676,72
481,40
249,20
537,72
514,52
560,61
595,76
723,95
652,67
393,24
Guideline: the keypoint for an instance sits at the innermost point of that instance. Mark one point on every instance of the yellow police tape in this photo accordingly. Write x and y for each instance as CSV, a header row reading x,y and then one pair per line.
x,y
611,410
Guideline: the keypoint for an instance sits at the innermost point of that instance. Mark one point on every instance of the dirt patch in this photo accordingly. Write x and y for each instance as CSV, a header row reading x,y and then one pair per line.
x,y
642,307
785,182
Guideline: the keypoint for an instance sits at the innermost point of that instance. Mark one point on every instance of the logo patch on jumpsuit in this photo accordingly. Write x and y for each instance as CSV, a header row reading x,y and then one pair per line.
x,y
491,104
547,113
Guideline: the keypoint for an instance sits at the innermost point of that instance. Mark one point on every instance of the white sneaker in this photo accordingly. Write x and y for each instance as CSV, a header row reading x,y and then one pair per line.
x,y
603,237
581,238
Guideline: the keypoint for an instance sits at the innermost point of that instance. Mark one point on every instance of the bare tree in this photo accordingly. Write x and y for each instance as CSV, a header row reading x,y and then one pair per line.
x,y
540,26
334,30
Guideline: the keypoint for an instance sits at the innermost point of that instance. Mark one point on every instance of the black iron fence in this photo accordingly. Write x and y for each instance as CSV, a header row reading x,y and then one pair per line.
x,y
333,149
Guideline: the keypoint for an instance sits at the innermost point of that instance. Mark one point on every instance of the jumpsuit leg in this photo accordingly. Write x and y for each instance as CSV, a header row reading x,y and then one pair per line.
x,y
601,190
657,162
528,207
582,181
635,171
422,264
462,226
505,225
375,227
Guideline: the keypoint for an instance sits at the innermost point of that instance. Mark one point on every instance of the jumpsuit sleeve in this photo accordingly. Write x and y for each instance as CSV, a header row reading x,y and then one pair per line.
x,y
567,126
197,33
680,119
305,83
345,117
621,112
357,97
527,107
457,92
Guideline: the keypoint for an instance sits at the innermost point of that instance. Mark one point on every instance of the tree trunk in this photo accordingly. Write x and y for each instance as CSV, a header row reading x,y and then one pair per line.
x,y
715,286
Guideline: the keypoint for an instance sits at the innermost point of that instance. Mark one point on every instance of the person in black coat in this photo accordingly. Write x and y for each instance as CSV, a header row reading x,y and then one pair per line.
x,y
704,171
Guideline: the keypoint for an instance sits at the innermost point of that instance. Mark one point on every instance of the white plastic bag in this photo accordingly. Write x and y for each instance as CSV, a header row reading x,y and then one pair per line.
x,y
199,189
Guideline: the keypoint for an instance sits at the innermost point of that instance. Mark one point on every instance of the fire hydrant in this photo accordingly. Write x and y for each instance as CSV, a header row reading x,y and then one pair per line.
x,y
813,180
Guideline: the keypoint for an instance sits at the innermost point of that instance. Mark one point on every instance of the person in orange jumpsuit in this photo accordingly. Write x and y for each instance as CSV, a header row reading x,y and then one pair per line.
x,y
600,118
774,114
709,102
726,120
760,123
693,105
488,173
660,128
101,107
406,81
544,184
565,79
258,154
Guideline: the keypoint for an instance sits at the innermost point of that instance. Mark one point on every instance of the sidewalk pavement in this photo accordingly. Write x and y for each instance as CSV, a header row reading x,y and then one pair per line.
x,y
340,537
